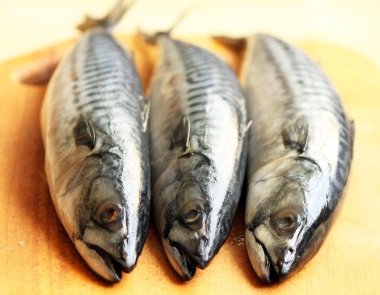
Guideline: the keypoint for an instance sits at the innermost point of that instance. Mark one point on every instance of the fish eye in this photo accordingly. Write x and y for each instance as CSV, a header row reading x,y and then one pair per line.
x,y
191,215
285,221
109,215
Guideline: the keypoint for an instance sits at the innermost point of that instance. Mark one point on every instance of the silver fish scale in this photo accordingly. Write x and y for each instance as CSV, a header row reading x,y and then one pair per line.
x,y
208,94
104,80
96,82
206,76
198,140
300,89
93,123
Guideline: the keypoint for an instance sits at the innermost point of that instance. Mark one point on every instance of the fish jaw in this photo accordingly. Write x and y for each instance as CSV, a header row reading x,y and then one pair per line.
x,y
99,261
185,263
107,265
271,264
182,263
258,257
128,256
122,251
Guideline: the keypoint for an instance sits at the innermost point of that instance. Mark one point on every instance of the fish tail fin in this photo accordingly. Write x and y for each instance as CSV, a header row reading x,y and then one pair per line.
x,y
109,20
152,38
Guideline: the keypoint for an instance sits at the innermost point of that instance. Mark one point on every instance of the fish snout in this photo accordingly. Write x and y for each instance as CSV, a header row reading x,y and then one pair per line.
x,y
186,257
128,256
272,262
285,263
204,253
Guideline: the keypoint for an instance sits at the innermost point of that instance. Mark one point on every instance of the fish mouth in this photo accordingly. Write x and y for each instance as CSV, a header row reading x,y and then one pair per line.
x,y
183,263
271,272
187,263
270,268
114,265
261,260
106,265
197,260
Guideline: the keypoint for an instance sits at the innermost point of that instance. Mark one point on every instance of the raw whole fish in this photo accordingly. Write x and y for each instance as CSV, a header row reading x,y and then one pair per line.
x,y
94,121
198,152
300,153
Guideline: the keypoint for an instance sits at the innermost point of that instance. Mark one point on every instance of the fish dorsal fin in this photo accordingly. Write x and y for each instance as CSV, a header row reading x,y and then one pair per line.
x,y
295,135
84,133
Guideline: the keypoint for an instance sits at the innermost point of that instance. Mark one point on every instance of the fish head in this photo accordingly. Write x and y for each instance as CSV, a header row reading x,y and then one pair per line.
x,y
193,212
103,239
281,213
186,235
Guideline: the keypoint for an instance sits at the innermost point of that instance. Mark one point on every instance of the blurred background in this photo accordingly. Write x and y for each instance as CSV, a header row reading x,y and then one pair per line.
x,y
27,25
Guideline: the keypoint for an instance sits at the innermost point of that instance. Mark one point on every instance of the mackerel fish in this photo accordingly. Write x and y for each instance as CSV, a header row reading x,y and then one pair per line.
x,y
300,151
97,157
198,152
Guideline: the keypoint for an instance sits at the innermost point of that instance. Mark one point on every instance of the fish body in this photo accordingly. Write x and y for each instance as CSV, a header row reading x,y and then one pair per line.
x,y
97,163
300,151
198,152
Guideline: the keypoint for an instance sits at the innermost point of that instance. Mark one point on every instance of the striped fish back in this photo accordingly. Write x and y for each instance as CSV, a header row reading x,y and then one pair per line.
x,y
104,80
207,78
310,92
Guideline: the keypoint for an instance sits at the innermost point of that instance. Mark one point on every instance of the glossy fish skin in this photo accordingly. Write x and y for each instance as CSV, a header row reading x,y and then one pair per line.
x,y
198,152
97,157
300,151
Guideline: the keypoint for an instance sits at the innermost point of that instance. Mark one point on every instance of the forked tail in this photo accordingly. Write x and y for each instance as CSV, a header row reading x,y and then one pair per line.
x,y
109,20
152,38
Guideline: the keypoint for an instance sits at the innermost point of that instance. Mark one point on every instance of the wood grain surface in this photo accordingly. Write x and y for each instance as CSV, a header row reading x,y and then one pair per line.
x,y
37,257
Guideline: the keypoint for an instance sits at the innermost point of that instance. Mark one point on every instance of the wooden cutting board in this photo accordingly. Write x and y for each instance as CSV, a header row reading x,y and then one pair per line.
x,y
37,257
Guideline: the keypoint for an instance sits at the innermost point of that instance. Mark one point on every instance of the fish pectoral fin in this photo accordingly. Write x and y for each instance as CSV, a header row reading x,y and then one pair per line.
x,y
295,135
84,133
182,134
145,110
248,126
188,151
